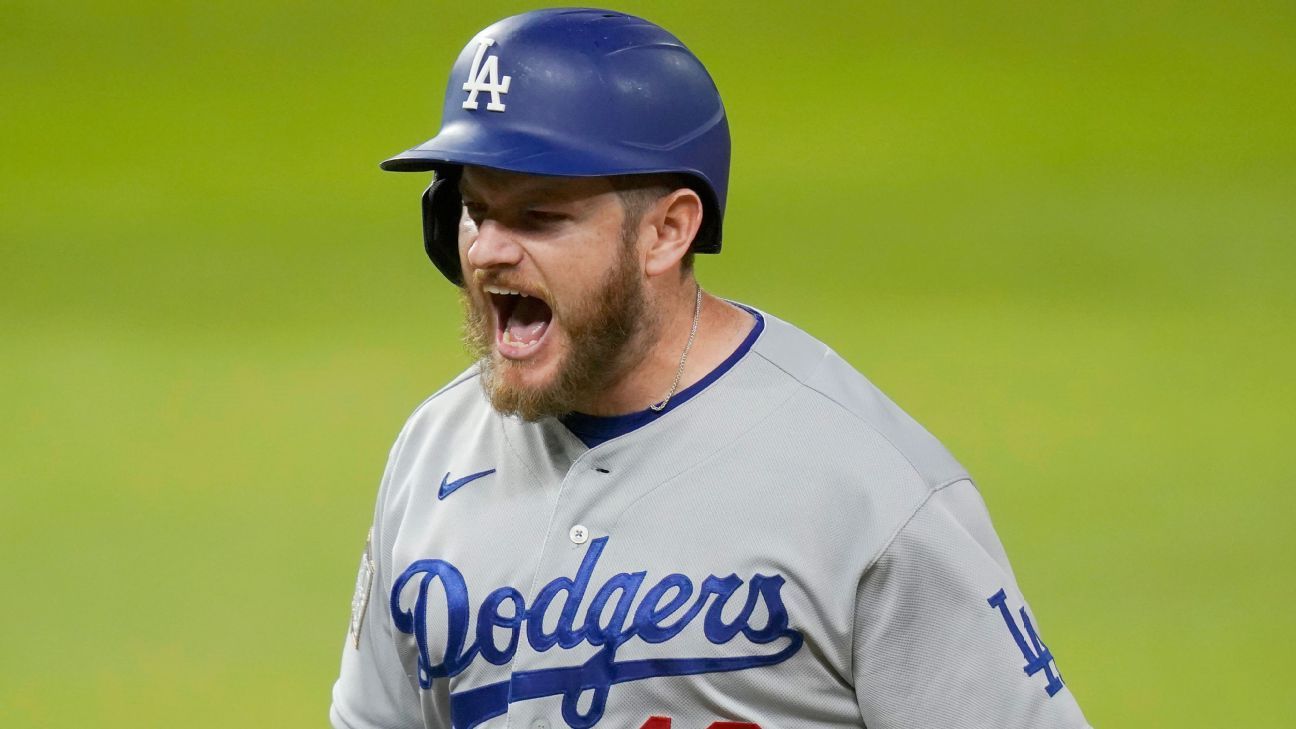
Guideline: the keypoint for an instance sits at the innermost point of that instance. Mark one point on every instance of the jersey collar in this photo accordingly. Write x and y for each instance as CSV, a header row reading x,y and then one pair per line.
x,y
594,430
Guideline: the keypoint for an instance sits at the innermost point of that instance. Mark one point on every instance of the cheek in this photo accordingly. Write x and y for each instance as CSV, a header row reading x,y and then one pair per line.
x,y
467,234
466,226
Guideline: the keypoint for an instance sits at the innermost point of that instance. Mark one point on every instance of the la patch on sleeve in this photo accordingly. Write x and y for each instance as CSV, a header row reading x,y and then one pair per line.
x,y
364,582
1038,656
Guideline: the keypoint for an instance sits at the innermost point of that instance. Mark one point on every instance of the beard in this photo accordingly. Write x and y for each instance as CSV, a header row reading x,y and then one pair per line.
x,y
604,333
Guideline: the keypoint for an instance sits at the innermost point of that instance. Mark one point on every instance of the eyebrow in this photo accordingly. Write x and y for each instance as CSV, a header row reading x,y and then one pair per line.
x,y
531,194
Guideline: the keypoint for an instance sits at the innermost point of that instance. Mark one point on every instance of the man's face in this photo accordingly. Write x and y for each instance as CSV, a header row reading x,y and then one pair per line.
x,y
554,294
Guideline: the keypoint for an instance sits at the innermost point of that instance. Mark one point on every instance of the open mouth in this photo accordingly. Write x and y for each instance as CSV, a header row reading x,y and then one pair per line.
x,y
521,321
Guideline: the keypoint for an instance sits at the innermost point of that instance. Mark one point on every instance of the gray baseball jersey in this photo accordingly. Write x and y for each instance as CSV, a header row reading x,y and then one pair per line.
x,y
782,547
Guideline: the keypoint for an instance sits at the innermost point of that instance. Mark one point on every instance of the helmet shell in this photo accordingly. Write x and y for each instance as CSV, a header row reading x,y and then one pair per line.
x,y
576,93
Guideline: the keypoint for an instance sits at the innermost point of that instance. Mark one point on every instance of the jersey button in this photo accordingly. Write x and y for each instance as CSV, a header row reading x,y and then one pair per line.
x,y
579,534
540,724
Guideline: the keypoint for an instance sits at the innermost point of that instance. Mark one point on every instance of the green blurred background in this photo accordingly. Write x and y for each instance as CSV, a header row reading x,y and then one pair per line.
x,y
1061,235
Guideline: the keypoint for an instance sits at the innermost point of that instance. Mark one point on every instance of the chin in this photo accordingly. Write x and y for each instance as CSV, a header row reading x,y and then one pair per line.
x,y
530,389
528,376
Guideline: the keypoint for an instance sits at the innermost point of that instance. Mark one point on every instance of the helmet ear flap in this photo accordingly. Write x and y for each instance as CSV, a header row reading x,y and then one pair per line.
x,y
442,207
708,236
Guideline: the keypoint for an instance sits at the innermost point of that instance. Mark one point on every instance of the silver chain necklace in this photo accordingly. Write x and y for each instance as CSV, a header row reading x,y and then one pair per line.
x,y
679,373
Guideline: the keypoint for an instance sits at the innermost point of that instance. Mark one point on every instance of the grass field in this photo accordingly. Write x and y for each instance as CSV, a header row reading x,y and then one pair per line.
x,y
1063,236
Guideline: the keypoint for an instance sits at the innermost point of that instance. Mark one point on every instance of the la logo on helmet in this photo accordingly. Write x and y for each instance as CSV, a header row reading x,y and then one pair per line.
x,y
485,77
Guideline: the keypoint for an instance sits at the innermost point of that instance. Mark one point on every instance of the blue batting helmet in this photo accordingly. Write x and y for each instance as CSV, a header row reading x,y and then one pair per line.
x,y
577,93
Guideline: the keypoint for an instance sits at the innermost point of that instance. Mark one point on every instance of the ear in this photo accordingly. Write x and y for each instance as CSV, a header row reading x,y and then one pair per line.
x,y
675,220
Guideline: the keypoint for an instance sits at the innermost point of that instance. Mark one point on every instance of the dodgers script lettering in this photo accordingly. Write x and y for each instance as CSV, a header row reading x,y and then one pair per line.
x,y
611,618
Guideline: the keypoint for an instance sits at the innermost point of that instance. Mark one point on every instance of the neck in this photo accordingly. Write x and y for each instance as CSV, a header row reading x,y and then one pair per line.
x,y
646,378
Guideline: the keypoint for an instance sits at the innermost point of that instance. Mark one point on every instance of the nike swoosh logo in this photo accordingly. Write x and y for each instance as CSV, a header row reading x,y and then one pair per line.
x,y
449,487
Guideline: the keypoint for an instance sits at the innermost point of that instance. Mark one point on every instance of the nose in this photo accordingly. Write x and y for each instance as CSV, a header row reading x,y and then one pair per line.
x,y
491,245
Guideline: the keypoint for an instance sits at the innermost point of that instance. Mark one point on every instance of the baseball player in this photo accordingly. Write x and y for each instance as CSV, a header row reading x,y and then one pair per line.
x,y
645,507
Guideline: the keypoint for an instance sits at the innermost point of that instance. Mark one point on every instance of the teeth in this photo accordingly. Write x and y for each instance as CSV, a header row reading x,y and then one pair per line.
x,y
509,340
503,291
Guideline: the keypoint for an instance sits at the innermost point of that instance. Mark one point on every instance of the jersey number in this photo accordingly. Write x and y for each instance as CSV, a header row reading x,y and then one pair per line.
x,y
664,722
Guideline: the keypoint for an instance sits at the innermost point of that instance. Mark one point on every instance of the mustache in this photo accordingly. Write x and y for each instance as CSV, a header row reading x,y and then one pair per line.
x,y
482,278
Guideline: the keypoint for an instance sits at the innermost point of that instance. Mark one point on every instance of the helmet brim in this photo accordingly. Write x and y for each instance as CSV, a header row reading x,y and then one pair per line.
x,y
464,144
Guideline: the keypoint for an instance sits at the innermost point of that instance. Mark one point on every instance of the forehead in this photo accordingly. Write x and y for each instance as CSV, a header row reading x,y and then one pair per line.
x,y
479,182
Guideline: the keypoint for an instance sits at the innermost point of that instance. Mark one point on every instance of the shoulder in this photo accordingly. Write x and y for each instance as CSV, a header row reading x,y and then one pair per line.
x,y
848,407
859,462
457,398
453,417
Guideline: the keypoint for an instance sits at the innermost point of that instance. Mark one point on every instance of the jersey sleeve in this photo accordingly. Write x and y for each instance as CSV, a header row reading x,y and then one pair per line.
x,y
943,636
372,690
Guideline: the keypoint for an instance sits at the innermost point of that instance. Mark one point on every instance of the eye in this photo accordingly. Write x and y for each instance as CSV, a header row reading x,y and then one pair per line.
x,y
476,211
544,217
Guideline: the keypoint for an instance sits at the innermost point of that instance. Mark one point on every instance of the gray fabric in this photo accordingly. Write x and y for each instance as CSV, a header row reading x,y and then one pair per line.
x,y
790,467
